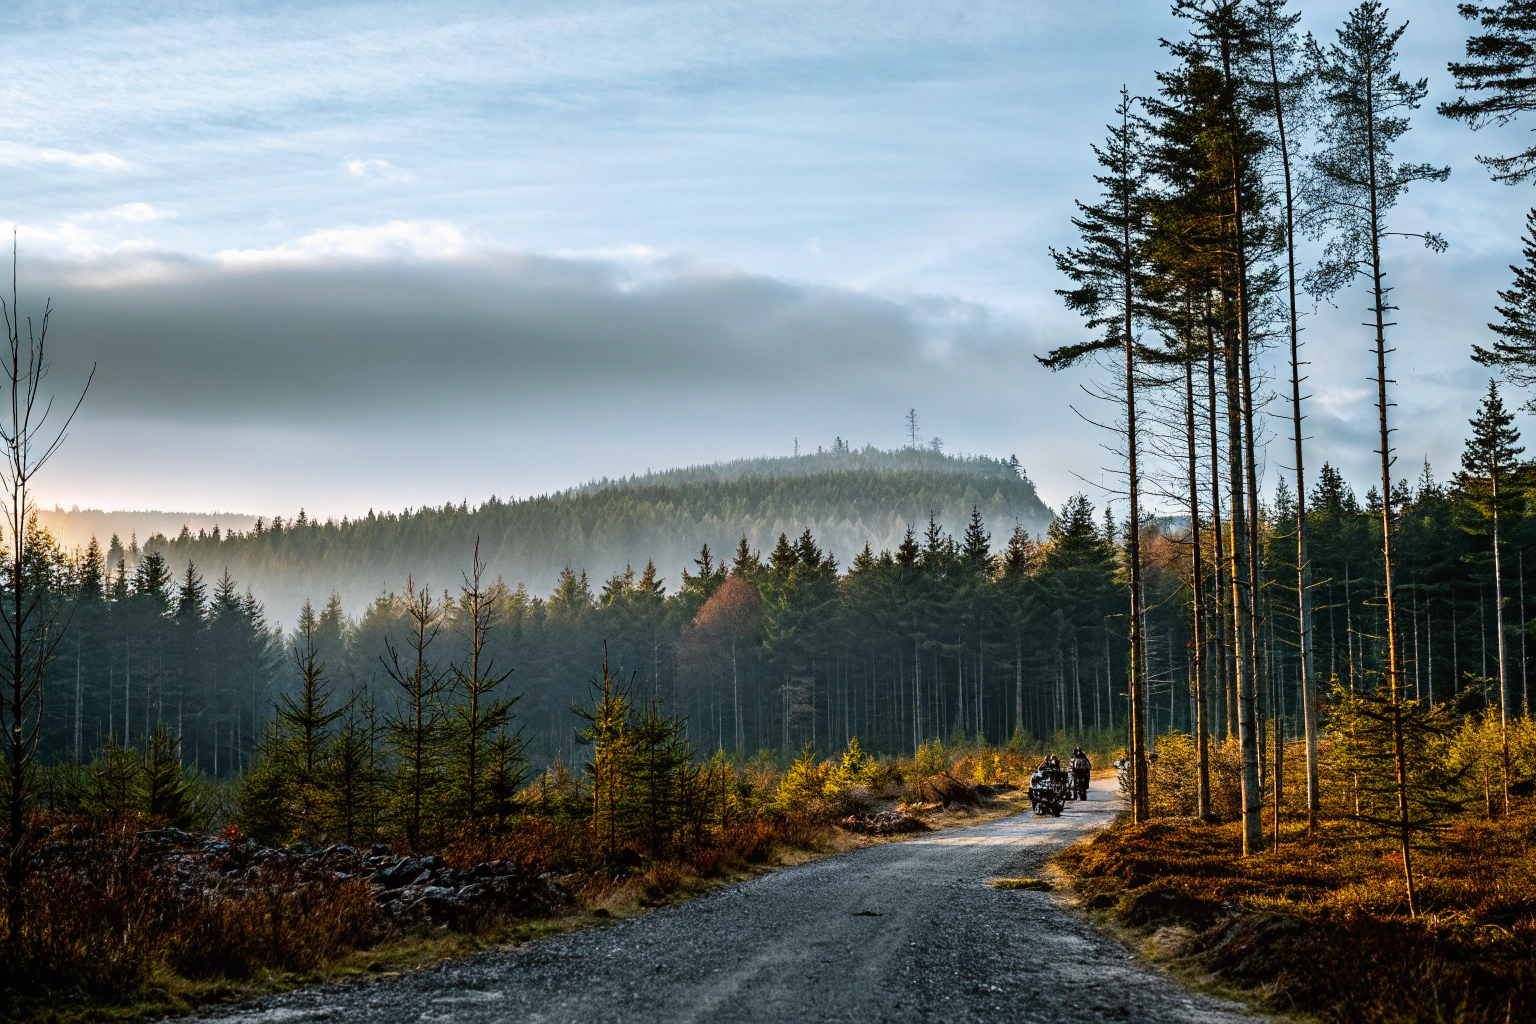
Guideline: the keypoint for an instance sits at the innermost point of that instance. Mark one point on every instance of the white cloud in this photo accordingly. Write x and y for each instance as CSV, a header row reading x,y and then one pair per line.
x,y
408,239
17,154
378,170
91,236
132,213
628,253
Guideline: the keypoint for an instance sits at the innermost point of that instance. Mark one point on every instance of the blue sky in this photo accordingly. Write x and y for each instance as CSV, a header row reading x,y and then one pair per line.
x,y
380,254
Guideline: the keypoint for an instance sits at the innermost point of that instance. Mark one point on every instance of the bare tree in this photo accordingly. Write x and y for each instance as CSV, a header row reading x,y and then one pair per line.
x,y
32,622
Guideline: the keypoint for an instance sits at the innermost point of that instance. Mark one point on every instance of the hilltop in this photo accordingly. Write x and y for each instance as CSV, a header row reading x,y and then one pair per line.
x,y
846,497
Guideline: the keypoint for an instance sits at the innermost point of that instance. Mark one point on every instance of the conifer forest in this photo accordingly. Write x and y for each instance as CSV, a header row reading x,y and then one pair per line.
x,y
1310,694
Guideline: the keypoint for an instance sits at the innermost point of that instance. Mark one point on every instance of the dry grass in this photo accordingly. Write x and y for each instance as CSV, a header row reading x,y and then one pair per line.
x,y
108,929
1322,929
113,933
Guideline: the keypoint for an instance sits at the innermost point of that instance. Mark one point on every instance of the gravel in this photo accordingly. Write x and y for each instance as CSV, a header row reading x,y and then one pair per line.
x,y
907,931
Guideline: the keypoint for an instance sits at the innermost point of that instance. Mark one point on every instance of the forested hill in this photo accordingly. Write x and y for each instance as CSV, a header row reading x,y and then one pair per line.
x,y
845,497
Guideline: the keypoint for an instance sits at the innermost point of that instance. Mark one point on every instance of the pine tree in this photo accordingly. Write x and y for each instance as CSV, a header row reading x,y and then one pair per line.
x,y
1514,351
1501,64
1108,271
305,719
351,773
1489,464
1290,85
746,564
1355,183
479,713
606,732
92,580
414,727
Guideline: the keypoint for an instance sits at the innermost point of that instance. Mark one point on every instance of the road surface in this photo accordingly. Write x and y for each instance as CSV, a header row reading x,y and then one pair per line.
x,y
900,932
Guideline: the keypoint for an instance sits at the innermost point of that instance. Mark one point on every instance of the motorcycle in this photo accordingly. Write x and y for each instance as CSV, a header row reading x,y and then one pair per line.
x,y
1081,775
1048,791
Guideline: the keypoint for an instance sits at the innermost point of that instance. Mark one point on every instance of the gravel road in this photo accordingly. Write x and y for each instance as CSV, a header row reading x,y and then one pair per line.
x,y
907,931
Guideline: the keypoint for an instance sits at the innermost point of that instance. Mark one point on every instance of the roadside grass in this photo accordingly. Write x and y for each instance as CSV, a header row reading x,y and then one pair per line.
x,y
1321,930
133,944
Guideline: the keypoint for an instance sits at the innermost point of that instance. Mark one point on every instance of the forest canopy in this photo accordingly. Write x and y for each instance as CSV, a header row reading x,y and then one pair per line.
x,y
847,497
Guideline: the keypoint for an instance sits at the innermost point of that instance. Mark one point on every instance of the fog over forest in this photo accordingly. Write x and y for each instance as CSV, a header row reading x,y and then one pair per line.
x,y
848,498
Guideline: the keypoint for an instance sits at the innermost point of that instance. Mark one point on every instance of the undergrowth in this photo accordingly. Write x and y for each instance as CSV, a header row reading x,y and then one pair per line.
x,y
110,929
1322,928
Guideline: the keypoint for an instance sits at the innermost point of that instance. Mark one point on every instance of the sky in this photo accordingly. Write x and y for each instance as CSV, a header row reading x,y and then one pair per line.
x,y
378,255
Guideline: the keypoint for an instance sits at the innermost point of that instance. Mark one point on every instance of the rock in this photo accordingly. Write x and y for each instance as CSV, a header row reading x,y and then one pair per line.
x,y
885,823
398,874
437,905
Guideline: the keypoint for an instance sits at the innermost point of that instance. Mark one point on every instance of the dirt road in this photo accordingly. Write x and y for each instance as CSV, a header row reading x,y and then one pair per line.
x,y
906,931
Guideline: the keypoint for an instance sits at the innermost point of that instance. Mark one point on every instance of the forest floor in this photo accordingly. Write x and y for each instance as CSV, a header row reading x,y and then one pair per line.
x,y
1321,930
915,930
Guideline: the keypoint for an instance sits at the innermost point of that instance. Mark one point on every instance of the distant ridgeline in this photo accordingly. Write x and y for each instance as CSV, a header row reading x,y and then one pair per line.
x,y
847,498
74,527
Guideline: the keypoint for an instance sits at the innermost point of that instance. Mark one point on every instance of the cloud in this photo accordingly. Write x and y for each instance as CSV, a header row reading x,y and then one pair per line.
x,y
377,170
352,325
398,239
87,238
17,154
131,213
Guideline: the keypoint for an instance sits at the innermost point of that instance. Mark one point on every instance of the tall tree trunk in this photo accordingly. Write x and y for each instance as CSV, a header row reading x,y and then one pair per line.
x,y
1197,586
1498,611
1303,563
1242,612
1133,540
1394,665
1245,516
1222,662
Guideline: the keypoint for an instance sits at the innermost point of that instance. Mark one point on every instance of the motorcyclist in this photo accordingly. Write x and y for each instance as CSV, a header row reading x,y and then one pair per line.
x,y
1082,771
1048,787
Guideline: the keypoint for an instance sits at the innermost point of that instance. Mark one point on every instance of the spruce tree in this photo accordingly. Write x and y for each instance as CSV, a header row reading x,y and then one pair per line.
x,y
351,773
479,710
746,563
1218,58
606,732
1489,464
91,583
152,580
191,596
414,727
167,791
305,719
